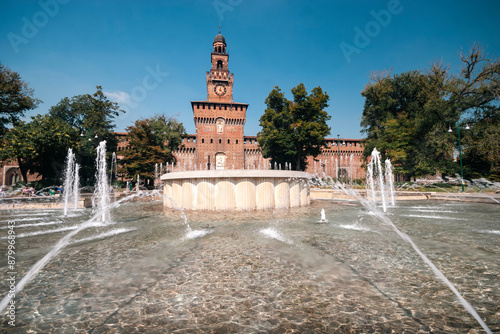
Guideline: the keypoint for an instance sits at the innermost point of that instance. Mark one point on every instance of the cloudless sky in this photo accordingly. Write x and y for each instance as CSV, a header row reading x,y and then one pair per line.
x,y
152,56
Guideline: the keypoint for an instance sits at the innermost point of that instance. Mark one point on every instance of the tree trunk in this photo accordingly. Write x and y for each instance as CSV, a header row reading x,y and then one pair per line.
x,y
22,169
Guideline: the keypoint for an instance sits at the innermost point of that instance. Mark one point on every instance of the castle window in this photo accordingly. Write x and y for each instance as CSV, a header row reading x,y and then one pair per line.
x,y
228,141
202,141
236,141
219,64
220,141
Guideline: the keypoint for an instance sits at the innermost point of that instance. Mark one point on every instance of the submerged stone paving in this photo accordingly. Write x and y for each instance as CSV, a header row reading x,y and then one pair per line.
x,y
317,279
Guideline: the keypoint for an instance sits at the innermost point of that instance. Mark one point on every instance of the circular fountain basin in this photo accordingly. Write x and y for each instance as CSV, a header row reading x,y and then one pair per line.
x,y
221,190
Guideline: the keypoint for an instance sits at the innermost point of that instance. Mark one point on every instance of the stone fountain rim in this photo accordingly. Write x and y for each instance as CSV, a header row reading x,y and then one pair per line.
x,y
235,173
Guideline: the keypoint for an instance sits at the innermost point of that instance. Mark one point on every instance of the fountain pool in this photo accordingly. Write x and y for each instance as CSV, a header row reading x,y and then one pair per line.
x,y
257,271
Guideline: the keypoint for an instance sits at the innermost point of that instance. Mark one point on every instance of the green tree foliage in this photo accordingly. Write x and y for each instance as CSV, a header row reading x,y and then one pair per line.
x,y
151,141
92,115
39,146
15,98
406,115
477,94
293,130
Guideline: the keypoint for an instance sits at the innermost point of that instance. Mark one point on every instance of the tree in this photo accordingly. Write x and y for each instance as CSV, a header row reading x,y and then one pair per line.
x,y
476,94
399,114
15,98
293,130
92,116
482,147
406,115
39,146
151,141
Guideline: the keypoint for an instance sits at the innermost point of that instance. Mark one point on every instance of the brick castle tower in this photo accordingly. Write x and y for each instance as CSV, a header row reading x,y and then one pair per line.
x,y
219,121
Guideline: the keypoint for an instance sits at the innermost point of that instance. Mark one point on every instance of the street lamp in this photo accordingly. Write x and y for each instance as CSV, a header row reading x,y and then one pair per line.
x,y
460,150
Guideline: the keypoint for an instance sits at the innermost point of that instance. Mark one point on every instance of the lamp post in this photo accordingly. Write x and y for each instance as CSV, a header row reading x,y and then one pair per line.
x,y
460,150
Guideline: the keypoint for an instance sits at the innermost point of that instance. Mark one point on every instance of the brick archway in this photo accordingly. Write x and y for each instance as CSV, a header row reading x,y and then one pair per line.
x,y
12,175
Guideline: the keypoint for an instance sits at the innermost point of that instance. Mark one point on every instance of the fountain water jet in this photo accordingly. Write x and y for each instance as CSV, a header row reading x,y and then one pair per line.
x,y
389,178
101,198
114,169
381,216
69,175
76,185
323,217
374,172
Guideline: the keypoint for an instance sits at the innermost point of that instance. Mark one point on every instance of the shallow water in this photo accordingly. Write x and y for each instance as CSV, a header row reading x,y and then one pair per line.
x,y
251,272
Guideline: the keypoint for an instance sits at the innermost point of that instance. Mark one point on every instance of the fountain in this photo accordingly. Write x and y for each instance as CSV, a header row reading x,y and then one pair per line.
x,y
76,186
323,217
101,198
69,174
155,269
389,179
377,180
71,193
249,189
113,173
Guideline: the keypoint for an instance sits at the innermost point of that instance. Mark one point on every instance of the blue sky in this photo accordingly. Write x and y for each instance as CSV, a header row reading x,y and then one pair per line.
x,y
152,56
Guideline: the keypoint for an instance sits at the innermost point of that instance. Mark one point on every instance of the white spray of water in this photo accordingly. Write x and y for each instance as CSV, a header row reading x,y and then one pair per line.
x,y
375,178
384,218
272,233
323,217
376,156
101,198
114,169
389,179
76,185
68,179
369,177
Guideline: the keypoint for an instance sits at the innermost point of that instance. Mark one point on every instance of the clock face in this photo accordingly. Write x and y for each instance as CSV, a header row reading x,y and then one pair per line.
x,y
220,89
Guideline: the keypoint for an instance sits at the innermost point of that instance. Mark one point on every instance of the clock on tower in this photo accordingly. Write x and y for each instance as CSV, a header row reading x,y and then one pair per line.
x,y
219,79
